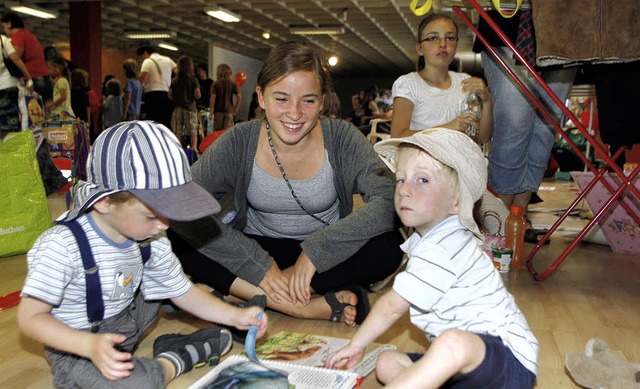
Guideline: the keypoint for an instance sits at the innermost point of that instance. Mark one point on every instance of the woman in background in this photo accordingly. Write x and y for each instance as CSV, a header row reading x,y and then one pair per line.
x,y
184,91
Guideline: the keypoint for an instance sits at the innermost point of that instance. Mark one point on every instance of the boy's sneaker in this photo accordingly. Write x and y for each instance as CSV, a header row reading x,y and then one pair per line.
x,y
202,347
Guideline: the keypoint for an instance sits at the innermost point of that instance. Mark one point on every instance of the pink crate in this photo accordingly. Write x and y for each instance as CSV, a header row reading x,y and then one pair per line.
x,y
621,231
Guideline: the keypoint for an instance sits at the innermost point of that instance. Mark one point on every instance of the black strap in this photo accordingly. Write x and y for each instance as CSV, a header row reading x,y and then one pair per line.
x,y
95,303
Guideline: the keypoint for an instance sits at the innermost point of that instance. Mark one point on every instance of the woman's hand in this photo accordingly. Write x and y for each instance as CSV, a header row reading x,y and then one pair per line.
x,y
300,279
276,285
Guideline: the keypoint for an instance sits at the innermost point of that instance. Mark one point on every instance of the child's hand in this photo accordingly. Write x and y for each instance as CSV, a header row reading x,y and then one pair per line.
x,y
476,85
462,122
345,358
113,364
248,317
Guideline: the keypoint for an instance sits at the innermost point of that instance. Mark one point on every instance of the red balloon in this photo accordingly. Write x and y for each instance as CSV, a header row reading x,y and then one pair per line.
x,y
241,77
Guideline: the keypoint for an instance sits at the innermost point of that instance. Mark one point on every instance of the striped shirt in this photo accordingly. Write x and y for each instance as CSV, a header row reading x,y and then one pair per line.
x,y
56,274
450,283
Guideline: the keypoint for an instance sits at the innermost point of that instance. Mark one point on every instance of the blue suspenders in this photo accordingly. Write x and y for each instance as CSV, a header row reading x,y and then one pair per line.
x,y
95,303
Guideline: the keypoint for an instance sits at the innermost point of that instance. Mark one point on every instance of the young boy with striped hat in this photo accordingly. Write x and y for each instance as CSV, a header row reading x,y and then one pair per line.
x,y
96,279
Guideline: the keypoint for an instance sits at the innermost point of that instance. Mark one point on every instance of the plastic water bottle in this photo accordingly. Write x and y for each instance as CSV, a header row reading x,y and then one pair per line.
x,y
515,226
473,104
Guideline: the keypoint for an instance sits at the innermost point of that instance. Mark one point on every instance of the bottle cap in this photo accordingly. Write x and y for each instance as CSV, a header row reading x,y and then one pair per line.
x,y
517,209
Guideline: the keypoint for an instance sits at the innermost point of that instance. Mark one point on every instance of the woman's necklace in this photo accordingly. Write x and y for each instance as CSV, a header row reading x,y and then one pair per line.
x,y
284,175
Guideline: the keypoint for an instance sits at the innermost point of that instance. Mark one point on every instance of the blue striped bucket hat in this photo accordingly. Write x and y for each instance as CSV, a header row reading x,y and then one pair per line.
x,y
146,159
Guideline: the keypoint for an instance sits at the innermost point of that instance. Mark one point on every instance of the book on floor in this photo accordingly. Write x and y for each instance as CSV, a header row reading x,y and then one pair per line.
x,y
301,356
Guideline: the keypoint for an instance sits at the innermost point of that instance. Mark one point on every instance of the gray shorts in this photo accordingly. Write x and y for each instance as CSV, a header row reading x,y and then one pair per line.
x,y
71,371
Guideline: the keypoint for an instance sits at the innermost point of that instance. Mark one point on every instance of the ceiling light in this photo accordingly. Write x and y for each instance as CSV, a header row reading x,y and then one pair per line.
x,y
266,35
34,10
333,60
167,46
327,30
222,14
151,35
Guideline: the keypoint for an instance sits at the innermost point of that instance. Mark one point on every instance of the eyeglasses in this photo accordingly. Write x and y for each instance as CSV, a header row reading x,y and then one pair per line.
x,y
434,40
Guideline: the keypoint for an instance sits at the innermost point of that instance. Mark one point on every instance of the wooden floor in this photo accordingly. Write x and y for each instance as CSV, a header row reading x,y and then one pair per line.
x,y
593,293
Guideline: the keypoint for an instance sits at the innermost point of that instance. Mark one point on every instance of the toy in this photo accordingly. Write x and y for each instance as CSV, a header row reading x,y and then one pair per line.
x,y
601,367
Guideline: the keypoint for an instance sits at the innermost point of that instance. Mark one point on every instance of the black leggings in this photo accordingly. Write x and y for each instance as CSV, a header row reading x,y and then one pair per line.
x,y
377,259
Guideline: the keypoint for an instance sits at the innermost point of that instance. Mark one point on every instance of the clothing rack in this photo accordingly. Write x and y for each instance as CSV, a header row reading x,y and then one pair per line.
x,y
626,182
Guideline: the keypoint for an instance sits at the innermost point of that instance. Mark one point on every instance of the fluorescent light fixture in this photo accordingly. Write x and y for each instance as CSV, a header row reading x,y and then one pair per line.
x,y
167,46
151,34
34,10
222,14
327,30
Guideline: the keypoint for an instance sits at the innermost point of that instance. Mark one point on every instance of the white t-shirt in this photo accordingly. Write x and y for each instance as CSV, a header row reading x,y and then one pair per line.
x,y
157,80
451,283
6,80
431,106
56,274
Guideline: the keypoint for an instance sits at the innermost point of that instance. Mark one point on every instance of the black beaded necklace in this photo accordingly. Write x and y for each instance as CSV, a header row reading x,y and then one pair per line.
x,y
284,175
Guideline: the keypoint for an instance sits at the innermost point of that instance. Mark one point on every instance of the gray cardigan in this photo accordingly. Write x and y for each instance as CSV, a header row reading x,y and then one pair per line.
x,y
226,168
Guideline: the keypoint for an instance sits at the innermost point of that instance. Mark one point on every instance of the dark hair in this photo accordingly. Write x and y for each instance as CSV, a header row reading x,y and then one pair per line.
x,y
113,87
62,63
423,24
204,67
185,66
14,19
145,49
290,57
79,79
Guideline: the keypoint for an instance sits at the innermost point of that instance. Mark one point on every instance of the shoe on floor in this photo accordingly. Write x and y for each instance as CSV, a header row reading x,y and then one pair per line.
x,y
202,347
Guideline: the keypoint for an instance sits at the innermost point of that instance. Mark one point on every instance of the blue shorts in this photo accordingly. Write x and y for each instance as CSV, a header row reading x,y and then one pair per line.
x,y
499,369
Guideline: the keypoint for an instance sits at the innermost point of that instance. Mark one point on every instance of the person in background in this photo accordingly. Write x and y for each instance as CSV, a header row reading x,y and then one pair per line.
x,y
522,139
104,85
113,105
132,91
9,109
255,111
293,233
434,96
29,50
95,109
184,92
205,86
61,103
138,180
478,337
221,107
155,77
79,98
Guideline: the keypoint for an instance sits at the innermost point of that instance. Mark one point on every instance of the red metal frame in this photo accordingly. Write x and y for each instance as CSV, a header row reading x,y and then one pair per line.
x,y
626,182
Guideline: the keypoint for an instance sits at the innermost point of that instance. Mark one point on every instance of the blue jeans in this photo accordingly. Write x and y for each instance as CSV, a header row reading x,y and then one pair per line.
x,y
522,138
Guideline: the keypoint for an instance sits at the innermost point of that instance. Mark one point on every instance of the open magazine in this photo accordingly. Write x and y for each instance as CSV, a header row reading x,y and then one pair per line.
x,y
301,356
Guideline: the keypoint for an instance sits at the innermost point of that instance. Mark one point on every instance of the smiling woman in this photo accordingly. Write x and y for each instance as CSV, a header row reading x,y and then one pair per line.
x,y
293,175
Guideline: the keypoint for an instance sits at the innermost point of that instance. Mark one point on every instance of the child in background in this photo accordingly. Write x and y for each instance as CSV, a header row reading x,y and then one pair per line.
x,y
61,103
112,107
479,338
79,97
138,180
184,92
132,90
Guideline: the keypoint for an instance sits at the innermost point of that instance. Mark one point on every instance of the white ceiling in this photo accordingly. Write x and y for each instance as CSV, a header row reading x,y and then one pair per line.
x,y
379,38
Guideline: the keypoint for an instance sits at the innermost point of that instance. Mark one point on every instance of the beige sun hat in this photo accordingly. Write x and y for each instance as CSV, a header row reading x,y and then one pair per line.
x,y
455,150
